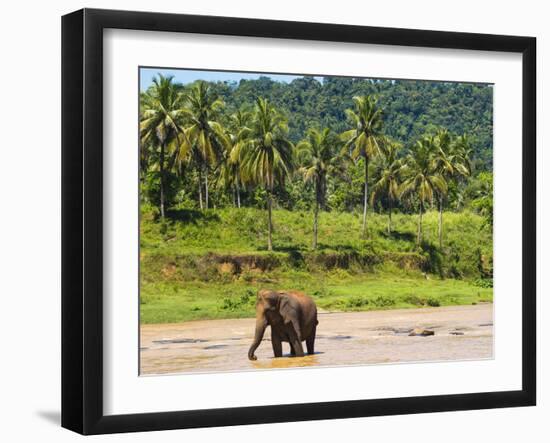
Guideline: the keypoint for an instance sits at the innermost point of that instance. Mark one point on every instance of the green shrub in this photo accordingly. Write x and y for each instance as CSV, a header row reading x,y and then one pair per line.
x,y
383,301
245,300
413,299
484,282
356,302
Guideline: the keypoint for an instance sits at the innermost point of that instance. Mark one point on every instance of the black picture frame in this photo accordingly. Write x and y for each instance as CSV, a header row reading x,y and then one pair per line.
x,y
82,217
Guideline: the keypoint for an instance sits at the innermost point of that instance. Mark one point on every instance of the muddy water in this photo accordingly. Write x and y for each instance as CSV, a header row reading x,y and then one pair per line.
x,y
460,332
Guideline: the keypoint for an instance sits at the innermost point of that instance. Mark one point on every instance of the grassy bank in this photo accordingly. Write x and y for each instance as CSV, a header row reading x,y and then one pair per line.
x,y
169,302
199,265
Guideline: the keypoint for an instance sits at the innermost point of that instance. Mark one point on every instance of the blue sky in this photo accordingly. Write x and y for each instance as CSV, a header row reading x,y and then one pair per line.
x,y
188,76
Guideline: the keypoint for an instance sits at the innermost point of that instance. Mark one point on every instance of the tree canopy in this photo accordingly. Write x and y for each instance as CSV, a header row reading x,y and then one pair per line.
x,y
336,144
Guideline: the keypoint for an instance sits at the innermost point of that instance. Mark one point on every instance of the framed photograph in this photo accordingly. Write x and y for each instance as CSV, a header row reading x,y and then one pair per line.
x,y
269,221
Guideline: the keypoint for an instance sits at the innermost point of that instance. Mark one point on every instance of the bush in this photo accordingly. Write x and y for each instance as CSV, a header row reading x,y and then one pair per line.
x,y
342,260
484,282
236,303
383,301
356,302
150,188
413,299
320,293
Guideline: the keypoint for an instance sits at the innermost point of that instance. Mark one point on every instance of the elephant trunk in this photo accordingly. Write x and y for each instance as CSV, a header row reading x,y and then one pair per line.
x,y
261,325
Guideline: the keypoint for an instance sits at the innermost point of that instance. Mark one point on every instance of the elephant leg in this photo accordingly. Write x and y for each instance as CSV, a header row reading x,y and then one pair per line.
x,y
310,342
298,348
292,350
277,344
296,326
296,344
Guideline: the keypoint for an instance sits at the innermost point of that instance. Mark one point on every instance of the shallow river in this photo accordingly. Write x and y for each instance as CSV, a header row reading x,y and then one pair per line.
x,y
351,338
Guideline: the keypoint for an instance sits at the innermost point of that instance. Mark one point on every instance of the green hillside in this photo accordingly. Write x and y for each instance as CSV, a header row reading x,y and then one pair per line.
x,y
209,264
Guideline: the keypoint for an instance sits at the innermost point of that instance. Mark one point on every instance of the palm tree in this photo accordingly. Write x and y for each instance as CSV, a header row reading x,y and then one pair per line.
x,y
365,139
230,174
452,161
445,166
462,150
483,195
267,154
388,171
317,154
205,136
422,177
161,126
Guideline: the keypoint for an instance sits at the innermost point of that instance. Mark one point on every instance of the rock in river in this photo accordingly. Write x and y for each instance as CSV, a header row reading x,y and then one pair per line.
x,y
421,332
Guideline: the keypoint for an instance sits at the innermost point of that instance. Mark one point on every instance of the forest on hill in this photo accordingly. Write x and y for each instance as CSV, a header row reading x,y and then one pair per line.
x,y
411,107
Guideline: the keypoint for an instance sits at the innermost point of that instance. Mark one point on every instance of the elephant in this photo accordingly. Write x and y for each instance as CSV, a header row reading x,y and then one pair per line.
x,y
292,316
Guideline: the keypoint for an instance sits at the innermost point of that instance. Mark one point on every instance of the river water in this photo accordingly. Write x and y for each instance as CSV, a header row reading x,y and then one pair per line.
x,y
350,338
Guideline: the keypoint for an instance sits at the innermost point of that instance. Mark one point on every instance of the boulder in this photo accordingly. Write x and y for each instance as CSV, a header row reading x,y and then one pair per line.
x,y
421,332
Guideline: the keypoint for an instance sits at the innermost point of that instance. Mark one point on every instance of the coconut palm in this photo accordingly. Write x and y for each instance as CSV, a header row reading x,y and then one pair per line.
x,y
267,154
388,171
445,166
452,161
462,150
161,126
317,155
483,195
205,136
365,139
230,172
422,179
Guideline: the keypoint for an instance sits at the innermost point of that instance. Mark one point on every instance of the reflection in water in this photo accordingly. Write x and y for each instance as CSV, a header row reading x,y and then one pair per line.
x,y
286,362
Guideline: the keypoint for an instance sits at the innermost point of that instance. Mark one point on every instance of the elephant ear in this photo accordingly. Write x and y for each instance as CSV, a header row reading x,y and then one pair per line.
x,y
271,297
287,308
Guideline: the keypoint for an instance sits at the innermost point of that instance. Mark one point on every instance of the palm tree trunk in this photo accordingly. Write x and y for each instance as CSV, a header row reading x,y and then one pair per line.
x,y
316,220
419,234
389,217
440,226
200,189
206,187
238,197
234,192
269,220
366,196
161,171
